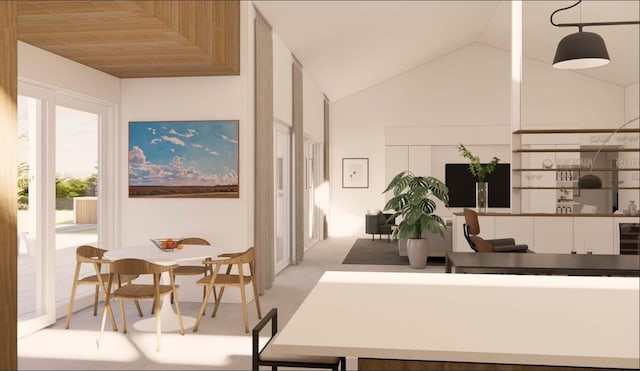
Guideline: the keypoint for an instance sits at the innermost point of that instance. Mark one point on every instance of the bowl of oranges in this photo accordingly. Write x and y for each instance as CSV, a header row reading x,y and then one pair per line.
x,y
168,244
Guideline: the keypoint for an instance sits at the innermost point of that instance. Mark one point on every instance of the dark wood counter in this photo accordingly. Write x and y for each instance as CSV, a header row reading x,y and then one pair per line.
x,y
554,264
553,215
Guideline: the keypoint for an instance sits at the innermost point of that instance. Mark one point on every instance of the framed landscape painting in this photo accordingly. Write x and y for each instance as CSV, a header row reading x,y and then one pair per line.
x,y
183,159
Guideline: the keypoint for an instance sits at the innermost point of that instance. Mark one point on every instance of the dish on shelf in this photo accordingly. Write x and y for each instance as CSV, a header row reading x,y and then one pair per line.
x,y
547,163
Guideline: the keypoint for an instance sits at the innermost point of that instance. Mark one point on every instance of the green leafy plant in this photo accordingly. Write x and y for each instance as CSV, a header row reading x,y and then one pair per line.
x,y
413,200
479,171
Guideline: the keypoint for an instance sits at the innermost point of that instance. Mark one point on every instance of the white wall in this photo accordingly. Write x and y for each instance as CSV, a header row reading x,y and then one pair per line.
x,y
222,221
282,81
566,98
313,108
225,222
468,89
449,91
48,69
632,101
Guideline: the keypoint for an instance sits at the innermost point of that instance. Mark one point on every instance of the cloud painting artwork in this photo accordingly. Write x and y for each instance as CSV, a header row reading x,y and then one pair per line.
x,y
183,159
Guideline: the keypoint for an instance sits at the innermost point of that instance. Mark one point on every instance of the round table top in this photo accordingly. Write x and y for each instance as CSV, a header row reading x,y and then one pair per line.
x,y
153,254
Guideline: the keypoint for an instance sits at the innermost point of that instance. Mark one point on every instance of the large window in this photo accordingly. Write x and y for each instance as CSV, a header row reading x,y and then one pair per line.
x,y
58,205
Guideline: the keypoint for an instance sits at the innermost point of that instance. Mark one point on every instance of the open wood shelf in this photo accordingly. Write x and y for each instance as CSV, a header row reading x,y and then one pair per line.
x,y
566,186
579,169
576,188
575,131
576,150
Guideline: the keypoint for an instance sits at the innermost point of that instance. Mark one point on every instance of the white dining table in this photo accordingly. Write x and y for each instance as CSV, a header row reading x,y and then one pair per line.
x,y
560,321
153,254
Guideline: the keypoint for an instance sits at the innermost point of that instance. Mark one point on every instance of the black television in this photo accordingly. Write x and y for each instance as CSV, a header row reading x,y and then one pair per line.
x,y
462,186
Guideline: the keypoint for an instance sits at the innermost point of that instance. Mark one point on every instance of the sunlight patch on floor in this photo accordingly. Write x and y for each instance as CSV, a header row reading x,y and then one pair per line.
x,y
132,347
212,350
76,344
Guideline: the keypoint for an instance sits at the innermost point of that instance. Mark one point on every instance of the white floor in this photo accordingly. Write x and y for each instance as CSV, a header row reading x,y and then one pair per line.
x,y
220,343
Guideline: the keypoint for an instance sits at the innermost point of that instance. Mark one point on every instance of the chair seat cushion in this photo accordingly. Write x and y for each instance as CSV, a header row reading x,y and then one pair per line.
x,y
267,354
482,245
224,279
124,278
140,291
189,270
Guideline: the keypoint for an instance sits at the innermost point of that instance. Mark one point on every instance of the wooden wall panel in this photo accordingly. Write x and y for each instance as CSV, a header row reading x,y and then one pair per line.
x,y
264,171
138,38
327,158
298,160
8,186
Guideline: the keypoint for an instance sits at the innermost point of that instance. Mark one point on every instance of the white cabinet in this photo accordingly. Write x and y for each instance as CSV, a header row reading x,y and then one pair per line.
x,y
593,233
549,234
512,226
552,234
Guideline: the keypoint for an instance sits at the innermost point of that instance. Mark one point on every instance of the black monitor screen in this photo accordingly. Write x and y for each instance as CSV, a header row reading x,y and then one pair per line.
x,y
462,186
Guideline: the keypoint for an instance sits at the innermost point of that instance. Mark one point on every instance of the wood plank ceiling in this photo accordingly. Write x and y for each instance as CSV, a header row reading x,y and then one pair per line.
x,y
130,39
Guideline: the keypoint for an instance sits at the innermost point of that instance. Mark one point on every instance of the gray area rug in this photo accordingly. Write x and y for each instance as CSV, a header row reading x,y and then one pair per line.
x,y
380,252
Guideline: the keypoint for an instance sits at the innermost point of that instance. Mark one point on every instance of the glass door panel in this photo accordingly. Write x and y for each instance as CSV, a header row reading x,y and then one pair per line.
x,y
57,169
282,166
36,307
76,169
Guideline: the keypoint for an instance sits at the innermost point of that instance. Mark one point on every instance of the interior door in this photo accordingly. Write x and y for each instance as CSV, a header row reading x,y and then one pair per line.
x,y
282,244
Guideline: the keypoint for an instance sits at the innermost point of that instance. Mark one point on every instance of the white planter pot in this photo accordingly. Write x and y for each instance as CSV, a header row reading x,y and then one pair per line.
x,y
418,251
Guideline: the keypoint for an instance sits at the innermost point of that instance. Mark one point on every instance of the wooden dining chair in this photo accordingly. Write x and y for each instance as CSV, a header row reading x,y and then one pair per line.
x,y
192,270
91,255
265,356
229,279
134,291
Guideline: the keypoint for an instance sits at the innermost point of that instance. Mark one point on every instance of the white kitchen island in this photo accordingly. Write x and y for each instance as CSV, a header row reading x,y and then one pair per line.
x,y
573,322
549,233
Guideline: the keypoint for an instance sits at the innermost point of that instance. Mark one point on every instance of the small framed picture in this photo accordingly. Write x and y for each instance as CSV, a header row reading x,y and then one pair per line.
x,y
355,173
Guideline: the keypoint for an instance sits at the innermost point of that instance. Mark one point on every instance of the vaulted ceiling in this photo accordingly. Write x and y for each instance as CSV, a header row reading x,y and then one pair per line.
x,y
138,38
348,46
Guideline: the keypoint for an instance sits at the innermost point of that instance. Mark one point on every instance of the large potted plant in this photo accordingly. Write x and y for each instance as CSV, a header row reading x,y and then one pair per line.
x,y
413,200
480,172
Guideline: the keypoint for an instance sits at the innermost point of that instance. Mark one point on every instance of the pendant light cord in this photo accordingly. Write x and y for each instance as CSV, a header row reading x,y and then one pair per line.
x,y
581,24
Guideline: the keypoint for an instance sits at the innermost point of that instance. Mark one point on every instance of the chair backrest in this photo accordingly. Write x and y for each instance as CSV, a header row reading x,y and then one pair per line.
x,y
471,219
89,254
471,227
247,256
239,259
138,266
195,241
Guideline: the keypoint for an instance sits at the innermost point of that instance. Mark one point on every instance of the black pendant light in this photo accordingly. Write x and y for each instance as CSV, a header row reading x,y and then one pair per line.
x,y
589,181
582,49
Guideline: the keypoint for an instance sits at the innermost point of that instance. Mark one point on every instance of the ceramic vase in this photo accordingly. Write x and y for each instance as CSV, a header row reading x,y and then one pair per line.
x,y
418,252
482,196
